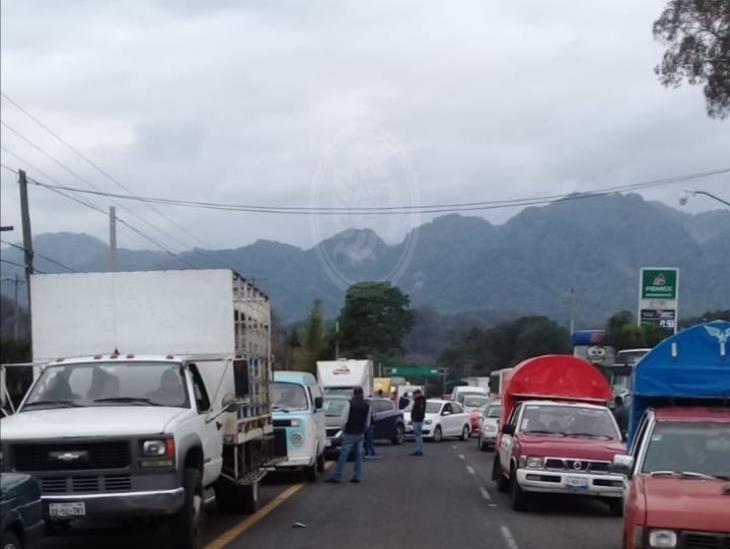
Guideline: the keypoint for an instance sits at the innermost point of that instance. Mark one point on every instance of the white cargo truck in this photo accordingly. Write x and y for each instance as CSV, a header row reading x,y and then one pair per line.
x,y
153,399
343,375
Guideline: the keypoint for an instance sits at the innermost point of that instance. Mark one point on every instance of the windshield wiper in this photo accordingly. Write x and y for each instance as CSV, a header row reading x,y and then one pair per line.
x,y
591,435
684,474
542,432
57,402
280,409
129,400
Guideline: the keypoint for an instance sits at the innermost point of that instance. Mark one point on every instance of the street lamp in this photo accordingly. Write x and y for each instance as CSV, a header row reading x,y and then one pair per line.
x,y
693,192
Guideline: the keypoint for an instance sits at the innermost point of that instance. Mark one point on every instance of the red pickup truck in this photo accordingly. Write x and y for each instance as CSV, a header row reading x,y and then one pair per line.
x,y
678,466
557,434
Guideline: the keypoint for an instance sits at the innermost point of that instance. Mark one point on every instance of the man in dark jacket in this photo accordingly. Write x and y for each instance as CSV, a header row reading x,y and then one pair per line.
x,y
403,402
418,414
621,413
355,423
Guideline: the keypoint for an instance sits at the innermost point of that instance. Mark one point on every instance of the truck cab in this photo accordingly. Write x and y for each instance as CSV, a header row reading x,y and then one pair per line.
x,y
557,434
677,469
297,409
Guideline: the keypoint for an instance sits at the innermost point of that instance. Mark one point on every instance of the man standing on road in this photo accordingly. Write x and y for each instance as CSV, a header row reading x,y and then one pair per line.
x,y
418,413
354,427
404,402
621,413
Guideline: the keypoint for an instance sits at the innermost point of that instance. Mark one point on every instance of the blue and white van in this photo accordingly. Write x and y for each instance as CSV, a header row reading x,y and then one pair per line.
x,y
296,404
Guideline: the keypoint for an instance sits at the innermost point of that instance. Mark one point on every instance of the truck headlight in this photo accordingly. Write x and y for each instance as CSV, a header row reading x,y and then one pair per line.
x,y
531,462
297,440
295,422
662,539
157,453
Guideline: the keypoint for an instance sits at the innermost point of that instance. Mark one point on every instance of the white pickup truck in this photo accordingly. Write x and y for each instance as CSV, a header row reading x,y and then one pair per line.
x,y
178,418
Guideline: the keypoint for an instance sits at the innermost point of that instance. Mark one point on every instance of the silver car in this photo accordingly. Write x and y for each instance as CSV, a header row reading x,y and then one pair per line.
x,y
489,425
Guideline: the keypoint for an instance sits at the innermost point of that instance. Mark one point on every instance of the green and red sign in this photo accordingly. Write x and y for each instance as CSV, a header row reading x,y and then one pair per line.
x,y
659,284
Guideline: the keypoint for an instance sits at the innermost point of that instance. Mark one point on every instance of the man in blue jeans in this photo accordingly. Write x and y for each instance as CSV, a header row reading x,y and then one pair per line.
x,y
355,423
418,414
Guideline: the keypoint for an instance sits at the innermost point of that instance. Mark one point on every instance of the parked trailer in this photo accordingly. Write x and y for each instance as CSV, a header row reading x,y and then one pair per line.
x,y
156,388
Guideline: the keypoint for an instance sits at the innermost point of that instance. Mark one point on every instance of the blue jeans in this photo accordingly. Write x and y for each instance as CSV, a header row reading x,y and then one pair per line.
x,y
370,442
417,428
349,442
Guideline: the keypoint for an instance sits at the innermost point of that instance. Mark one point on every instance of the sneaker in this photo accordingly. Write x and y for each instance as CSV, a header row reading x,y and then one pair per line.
x,y
417,454
332,481
355,480
376,456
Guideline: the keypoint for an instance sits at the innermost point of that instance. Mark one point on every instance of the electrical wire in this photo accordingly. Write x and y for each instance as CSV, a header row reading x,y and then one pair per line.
x,y
38,254
19,265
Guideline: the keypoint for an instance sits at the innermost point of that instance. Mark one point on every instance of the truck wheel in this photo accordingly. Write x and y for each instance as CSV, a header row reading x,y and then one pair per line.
x,y
498,477
310,473
518,499
11,541
437,434
616,506
186,527
400,435
320,463
465,433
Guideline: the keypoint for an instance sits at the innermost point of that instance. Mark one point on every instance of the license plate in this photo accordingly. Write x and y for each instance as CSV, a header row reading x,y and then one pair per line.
x,y
576,483
67,510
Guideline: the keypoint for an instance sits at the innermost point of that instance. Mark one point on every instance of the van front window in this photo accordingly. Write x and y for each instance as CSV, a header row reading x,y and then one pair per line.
x,y
288,396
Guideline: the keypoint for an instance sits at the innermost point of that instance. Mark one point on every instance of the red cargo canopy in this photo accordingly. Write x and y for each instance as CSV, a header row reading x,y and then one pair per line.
x,y
556,377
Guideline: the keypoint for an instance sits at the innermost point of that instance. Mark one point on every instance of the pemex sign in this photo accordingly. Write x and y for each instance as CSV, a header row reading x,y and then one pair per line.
x,y
659,297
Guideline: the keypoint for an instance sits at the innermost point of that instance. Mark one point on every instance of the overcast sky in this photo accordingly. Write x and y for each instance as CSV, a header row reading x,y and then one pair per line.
x,y
342,104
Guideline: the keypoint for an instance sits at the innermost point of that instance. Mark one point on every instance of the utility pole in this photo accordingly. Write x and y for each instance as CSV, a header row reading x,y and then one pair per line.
x,y
27,236
337,340
113,259
16,309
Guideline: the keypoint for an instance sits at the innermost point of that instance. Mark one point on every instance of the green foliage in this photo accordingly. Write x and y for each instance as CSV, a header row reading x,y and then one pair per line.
x,y
622,332
314,345
375,319
481,351
697,36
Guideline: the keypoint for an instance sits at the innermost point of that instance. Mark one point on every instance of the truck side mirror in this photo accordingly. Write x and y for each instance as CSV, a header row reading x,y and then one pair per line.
x,y
318,403
621,465
229,403
508,429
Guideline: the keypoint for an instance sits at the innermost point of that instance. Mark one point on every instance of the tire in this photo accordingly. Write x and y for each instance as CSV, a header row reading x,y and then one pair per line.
x,y
616,506
517,497
498,477
465,433
400,435
237,499
483,446
10,541
186,527
321,463
438,435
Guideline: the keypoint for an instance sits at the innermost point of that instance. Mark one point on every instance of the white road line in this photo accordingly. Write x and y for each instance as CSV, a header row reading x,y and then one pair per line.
x,y
461,456
471,470
509,540
485,494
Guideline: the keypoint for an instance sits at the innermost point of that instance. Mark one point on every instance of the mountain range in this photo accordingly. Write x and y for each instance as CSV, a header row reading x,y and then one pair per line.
x,y
572,257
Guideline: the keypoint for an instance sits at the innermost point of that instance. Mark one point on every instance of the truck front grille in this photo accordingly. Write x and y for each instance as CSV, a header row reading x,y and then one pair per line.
x,y
576,465
703,540
70,456
86,484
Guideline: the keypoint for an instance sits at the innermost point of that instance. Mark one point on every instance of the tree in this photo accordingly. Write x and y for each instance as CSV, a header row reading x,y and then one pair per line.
x,y
697,36
314,343
374,320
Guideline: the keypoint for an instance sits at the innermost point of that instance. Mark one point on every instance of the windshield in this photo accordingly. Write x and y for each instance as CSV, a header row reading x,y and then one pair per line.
x,y
460,397
475,402
569,421
288,396
109,384
334,407
689,447
493,411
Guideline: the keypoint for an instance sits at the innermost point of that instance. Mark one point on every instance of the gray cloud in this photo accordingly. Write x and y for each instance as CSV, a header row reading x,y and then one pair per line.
x,y
241,102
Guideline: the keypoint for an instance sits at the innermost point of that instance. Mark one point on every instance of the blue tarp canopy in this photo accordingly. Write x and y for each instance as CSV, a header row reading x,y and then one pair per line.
x,y
693,364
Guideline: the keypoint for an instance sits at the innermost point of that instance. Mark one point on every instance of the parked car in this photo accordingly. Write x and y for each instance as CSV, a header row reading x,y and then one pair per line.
x,y
444,418
21,511
387,419
489,426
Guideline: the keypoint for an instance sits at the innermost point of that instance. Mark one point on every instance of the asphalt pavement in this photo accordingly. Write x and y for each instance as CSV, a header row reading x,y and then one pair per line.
x,y
443,499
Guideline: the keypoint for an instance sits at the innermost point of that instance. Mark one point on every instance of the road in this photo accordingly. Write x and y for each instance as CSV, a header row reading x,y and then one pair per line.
x,y
443,499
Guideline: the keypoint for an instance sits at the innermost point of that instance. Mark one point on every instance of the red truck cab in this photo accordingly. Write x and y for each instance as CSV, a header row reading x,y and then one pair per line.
x,y
678,466
557,434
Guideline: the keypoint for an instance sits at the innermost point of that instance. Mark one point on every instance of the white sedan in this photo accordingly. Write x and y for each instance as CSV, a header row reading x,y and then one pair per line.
x,y
444,418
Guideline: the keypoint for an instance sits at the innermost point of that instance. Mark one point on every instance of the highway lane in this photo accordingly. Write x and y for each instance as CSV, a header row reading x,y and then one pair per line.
x,y
443,499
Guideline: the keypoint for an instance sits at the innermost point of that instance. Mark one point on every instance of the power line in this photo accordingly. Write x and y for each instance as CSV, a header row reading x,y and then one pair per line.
x,y
49,259
94,207
389,210
80,178
19,265
101,170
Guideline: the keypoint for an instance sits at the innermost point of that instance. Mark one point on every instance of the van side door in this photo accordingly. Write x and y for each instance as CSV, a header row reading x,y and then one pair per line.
x,y
315,393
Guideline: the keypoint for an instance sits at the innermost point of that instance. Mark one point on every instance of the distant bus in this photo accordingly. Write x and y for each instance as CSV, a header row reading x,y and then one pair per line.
x,y
497,381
